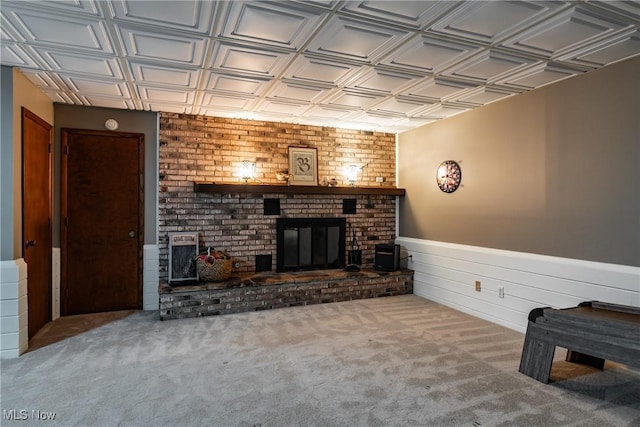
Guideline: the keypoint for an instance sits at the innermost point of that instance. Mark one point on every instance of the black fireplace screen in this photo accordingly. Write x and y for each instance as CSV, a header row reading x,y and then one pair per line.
x,y
310,243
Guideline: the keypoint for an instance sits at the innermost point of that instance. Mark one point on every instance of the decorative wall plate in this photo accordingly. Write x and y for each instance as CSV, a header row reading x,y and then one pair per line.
x,y
449,176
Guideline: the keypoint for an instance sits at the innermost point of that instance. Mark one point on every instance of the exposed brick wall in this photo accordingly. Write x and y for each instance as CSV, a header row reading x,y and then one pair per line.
x,y
210,149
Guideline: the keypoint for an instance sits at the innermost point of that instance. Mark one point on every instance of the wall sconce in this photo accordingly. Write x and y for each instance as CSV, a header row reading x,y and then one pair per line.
x,y
351,172
247,170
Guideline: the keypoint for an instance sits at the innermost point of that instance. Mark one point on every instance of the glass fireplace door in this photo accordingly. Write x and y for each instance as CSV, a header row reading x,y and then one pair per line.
x,y
305,244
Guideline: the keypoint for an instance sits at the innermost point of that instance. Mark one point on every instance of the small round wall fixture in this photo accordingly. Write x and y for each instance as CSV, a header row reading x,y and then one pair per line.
x,y
111,124
449,176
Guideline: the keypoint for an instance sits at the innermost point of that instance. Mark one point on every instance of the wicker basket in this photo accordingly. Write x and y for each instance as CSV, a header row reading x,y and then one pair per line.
x,y
219,271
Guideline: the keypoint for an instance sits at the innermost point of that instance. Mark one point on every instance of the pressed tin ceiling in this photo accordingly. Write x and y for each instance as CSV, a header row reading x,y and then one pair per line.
x,y
388,66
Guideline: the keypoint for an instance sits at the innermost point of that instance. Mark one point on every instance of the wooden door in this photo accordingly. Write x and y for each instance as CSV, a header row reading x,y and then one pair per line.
x,y
37,138
102,221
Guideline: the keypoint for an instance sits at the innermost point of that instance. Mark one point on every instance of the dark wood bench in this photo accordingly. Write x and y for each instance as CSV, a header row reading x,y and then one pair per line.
x,y
592,332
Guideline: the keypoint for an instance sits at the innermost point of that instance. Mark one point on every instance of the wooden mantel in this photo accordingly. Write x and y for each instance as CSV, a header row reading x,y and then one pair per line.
x,y
213,188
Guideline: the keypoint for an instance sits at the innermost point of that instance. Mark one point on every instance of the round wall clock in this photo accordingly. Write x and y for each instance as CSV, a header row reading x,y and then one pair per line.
x,y
449,176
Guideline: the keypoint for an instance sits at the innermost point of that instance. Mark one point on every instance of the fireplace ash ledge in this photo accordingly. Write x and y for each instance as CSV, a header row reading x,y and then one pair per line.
x,y
270,290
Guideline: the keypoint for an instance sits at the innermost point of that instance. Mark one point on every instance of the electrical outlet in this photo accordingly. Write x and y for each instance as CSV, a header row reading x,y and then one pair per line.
x,y
478,287
379,179
500,291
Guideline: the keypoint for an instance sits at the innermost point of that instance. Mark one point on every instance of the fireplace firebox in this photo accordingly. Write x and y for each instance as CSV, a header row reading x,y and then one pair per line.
x,y
310,243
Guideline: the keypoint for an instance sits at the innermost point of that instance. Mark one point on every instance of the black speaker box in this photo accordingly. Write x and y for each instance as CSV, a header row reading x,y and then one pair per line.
x,y
387,257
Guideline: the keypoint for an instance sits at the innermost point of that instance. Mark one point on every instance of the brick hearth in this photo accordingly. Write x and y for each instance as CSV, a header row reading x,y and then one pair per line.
x,y
264,291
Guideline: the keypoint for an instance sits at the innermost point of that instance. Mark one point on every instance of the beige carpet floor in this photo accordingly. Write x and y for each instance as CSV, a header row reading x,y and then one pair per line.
x,y
395,361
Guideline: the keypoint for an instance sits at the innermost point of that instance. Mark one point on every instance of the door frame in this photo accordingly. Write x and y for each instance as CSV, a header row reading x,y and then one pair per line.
x,y
64,139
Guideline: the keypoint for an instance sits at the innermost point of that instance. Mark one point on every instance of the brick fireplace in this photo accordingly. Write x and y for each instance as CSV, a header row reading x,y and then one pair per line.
x,y
243,223
209,149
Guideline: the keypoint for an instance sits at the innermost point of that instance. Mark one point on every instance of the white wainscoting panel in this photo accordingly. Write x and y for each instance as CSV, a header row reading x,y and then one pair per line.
x,y
150,277
446,273
14,331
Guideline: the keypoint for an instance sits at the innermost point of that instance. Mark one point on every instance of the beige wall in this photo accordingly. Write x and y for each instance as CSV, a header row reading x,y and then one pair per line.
x,y
553,171
27,95
17,92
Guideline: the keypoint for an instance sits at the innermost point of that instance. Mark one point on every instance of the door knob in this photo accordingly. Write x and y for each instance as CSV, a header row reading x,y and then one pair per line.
x,y
132,234
29,243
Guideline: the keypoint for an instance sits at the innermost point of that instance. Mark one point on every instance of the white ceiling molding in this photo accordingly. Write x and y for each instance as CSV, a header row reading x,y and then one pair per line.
x,y
387,66
161,75
428,54
15,55
566,32
145,44
270,24
236,85
349,39
411,14
437,90
320,71
40,28
489,22
611,50
83,64
489,67
184,15
538,76
285,90
216,101
484,95
244,60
